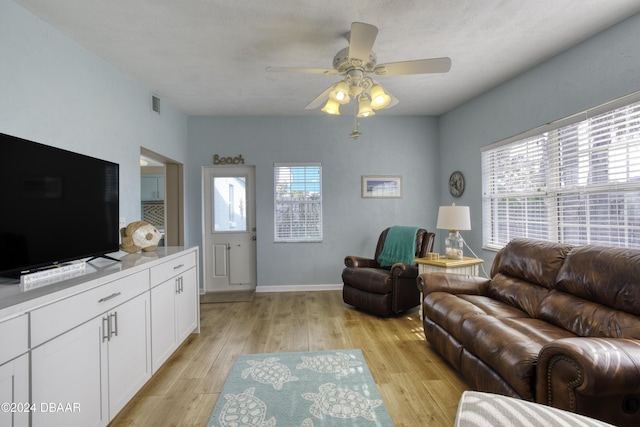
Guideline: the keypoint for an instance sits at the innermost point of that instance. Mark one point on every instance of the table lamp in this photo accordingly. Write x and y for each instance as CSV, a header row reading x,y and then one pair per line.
x,y
454,218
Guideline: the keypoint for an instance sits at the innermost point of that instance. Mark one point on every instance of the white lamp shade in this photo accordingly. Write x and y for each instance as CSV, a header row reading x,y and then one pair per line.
x,y
454,218
340,93
331,107
364,108
379,99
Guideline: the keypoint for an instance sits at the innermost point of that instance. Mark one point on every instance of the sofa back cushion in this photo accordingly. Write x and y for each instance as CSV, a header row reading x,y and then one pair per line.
x,y
534,261
524,271
597,293
608,276
518,293
586,318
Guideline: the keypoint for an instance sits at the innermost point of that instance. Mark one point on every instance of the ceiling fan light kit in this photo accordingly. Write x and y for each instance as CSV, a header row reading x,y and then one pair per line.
x,y
355,63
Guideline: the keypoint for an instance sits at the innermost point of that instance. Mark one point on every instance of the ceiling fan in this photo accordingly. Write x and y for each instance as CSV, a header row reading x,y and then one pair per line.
x,y
356,63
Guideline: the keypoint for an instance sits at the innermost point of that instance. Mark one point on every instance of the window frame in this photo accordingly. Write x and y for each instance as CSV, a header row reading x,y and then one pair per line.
x,y
312,202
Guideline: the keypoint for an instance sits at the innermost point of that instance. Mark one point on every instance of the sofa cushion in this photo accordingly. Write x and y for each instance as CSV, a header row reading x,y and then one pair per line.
x,y
510,346
451,310
585,318
609,276
518,293
535,261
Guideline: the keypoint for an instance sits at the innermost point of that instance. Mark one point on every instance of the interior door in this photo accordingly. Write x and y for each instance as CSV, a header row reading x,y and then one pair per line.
x,y
229,217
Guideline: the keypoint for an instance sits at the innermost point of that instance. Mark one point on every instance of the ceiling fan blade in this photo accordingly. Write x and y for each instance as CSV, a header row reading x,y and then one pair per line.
x,y
300,70
320,99
361,40
420,66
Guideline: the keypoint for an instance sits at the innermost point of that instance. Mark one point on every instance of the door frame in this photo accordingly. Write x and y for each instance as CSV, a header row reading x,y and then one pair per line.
x,y
208,254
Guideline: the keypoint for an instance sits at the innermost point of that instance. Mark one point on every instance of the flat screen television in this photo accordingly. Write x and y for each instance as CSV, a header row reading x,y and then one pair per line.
x,y
55,206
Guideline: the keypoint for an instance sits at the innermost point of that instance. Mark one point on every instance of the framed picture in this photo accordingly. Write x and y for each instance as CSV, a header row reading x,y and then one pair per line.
x,y
381,186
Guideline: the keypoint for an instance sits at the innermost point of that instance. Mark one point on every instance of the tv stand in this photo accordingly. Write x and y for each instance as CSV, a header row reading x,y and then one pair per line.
x,y
103,256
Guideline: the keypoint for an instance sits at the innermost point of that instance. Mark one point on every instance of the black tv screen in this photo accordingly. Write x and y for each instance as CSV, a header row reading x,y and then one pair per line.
x,y
57,206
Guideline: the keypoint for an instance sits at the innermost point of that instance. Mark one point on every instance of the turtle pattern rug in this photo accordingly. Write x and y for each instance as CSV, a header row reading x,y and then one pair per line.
x,y
304,389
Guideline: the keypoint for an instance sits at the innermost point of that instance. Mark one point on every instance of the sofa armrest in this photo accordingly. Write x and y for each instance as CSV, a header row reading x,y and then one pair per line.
x,y
572,371
360,262
452,283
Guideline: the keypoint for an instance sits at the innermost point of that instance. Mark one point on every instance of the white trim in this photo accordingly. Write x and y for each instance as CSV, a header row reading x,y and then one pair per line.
x,y
299,288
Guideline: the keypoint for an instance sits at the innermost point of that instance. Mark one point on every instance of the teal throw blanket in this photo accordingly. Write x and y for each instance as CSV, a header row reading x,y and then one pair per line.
x,y
399,246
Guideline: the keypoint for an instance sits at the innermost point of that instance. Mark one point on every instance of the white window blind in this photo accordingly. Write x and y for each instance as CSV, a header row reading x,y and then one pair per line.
x,y
578,183
298,202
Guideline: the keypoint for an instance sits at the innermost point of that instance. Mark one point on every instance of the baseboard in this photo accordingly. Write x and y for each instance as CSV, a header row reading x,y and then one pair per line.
x,y
299,288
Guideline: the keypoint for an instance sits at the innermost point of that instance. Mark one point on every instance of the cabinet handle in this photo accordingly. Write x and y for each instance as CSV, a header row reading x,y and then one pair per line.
x,y
113,332
178,266
177,285
181,284
109,297
106,327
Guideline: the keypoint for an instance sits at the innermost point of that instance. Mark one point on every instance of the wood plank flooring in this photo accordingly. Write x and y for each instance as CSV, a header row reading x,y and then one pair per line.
x,y
417,386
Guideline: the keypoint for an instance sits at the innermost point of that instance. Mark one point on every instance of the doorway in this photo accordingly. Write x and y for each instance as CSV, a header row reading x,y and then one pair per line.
x,y
161,196
229,231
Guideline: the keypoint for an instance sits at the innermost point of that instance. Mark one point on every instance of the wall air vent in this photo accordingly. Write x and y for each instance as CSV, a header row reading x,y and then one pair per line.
x,y
155,104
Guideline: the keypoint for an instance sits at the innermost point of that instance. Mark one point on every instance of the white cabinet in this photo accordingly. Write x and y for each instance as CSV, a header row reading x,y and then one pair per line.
x,y
174,297
163,324
187,308
70,370
76,356
129,351
152,187
14,390
14,372
94,369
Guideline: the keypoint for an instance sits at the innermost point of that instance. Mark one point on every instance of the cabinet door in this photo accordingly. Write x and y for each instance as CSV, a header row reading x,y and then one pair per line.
x,y
152,187
163,323
187,304
68,371
129,353
14,388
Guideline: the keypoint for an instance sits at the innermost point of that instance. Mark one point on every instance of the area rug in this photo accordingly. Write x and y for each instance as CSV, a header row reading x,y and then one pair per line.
x,y
304,389
227,296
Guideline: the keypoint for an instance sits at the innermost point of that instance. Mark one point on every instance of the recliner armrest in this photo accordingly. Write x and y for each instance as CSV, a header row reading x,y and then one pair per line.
x,y
571,370
404,270
360,262
452,283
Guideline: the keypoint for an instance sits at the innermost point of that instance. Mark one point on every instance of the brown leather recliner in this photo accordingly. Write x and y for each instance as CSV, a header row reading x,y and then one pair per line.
x,y
384,291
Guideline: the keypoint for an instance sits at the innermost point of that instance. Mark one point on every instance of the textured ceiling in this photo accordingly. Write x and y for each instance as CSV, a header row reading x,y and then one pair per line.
x,y
208,57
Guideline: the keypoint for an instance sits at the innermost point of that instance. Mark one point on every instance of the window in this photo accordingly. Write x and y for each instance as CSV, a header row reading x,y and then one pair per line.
x,y
575,181
298,202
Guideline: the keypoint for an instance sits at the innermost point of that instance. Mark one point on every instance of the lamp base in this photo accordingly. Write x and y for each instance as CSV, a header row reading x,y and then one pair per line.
x,y
453,245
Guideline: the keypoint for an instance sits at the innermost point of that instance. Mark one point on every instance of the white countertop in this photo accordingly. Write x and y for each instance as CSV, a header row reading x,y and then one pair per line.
x,y
15,299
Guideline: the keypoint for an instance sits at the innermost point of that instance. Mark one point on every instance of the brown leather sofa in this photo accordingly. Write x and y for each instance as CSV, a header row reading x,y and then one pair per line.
x,y
555,324
384,291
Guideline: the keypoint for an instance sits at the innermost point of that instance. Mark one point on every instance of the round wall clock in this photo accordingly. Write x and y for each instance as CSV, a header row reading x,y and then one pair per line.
x,y
456,184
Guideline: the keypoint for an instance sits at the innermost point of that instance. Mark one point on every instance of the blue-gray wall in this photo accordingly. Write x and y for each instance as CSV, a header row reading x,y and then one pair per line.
x,y
56,92
600,69
405,146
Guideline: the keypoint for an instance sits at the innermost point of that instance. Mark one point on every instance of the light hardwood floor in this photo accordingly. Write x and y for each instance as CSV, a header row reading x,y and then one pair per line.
x,y
417,386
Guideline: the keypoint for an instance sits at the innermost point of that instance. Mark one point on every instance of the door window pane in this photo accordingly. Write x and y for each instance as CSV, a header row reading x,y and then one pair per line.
x,y
229,203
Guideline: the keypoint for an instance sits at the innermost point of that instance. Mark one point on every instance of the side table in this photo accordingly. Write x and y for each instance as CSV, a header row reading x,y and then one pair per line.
x,y
466,265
